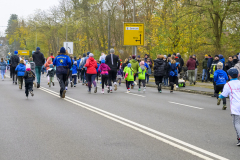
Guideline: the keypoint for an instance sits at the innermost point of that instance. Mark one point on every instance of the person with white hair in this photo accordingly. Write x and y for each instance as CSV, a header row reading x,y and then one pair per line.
x,y
114,63
102,57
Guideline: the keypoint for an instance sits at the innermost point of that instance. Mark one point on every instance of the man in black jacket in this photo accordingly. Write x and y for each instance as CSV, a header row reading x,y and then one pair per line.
x,y
114,63
39,60
14,62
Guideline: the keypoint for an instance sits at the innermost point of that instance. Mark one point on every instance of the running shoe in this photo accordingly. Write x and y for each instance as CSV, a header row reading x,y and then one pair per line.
x,y
111,91
144,90
128,91
115,87
108,89
63,94
224,107
79,81
71,84
238,144
95,90
219,101
139,89
102,91
66,88
32,94
53,83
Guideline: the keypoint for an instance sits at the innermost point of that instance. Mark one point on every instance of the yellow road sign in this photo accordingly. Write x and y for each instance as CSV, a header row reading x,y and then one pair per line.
x,y
23,52
134,34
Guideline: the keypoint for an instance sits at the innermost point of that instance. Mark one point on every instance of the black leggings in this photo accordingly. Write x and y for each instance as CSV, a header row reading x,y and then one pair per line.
x,y
158,79
112,77
104,80
143,81
172,81
128,83
219,88
79,74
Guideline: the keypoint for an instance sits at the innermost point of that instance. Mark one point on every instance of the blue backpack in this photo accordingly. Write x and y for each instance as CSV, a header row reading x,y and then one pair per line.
x,y
173,70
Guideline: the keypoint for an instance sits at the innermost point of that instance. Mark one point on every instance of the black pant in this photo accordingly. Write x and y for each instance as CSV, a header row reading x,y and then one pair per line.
x,y
158,79
143,82
83,72
74,77
104,80
28,87
135,76
214,86
112,77
128,83
14,74
219,88
62,78
79,74
172,81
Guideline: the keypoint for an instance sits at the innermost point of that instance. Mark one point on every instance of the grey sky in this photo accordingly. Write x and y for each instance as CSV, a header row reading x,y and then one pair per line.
x,y
22,8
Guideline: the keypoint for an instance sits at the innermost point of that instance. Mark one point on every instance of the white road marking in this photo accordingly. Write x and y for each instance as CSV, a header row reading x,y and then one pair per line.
x,y
135,94
185,105
143,129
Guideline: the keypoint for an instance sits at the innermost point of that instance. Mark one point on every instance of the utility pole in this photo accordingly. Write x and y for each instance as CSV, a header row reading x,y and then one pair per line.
x,y
109,42
134,13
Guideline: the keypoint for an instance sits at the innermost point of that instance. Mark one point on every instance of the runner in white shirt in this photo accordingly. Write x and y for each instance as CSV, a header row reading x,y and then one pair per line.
x,y
232,89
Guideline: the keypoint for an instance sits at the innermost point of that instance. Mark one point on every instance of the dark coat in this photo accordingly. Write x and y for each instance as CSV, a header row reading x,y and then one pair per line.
x,y
229,65
181,61
209,63
29,76
14,60
116,62
204,64
38,58
159,67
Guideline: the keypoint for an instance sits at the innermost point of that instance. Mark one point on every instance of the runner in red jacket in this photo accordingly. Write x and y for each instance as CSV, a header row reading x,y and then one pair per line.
x,y
91,65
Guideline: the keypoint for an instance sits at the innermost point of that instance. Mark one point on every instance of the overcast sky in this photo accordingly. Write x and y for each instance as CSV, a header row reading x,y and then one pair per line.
x,y
22,8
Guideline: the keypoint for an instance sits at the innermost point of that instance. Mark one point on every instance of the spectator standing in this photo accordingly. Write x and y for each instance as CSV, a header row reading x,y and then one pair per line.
x,y
205,69
191,64
229,64
196,69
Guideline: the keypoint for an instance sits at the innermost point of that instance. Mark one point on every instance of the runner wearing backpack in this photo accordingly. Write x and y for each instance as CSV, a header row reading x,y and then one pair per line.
x,y
173,72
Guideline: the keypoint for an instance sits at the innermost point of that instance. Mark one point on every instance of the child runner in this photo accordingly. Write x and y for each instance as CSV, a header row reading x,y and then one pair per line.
x,y
47,66
142,76
74,73
32,66
21,68
232,89
50,74
3,66
119,75
104,69
129,76
29,77
91,66
220,78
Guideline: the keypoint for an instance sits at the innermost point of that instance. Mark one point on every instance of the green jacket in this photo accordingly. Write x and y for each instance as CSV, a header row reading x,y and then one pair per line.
x,y
135,65
141,73
130,73
204,64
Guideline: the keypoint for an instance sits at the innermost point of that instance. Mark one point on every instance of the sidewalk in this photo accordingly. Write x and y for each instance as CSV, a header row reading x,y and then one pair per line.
x,y
199,88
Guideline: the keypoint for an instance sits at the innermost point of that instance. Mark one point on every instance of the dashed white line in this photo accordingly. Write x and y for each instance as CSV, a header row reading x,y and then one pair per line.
x,y
186,105
135,94
143,129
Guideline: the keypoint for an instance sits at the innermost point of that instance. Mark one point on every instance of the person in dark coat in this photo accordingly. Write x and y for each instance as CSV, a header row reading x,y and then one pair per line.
x,y
229,64
14,62
114,63
159,71
191,64
39,60
205,69
209,64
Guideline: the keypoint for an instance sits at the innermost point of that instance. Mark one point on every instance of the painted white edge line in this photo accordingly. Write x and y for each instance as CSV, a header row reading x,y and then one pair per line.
x,y
185,105
94,109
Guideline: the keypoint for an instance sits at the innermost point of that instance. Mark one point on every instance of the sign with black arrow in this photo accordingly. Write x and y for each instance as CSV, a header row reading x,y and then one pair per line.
x,y
134,34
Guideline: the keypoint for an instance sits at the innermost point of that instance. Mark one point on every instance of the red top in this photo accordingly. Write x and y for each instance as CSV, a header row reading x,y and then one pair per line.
x,y
91,65
191,64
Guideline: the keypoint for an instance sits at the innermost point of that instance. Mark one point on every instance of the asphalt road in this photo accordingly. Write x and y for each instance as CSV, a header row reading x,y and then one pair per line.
x,y
119,125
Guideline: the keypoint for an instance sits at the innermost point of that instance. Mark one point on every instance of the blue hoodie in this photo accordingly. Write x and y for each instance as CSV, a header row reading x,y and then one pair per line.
x,y
74,69
220,77
78,63
21,68
222,59
62,63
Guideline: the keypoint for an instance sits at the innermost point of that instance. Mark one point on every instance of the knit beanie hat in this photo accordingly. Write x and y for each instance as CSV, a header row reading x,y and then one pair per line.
x,y
84,55
51,65
88,53
21,61
91,55
220,65
142,63
138,56
103,61
169,55
133,56
28,69
217,56
62,50
15,52
129,65
220,56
